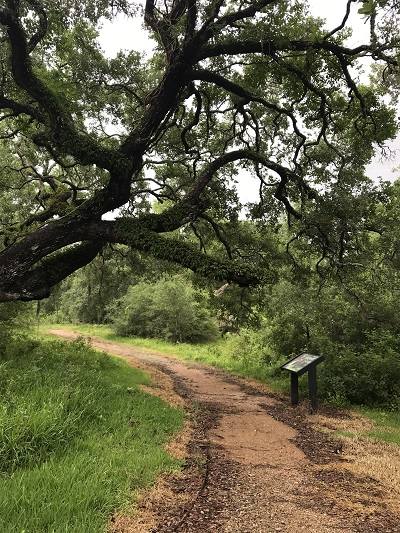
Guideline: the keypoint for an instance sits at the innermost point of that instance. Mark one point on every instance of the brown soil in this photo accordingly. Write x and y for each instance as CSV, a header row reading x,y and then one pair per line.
x,y
254,464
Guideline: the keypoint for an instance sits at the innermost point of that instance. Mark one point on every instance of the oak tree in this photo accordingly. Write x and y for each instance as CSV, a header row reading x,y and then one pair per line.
x,y
233,88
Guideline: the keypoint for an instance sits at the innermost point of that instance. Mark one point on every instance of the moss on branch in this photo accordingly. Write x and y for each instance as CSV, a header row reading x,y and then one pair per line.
x,y
136,235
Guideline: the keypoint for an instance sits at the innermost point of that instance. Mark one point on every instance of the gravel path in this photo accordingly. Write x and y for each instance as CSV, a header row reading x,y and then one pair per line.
x,y
254,464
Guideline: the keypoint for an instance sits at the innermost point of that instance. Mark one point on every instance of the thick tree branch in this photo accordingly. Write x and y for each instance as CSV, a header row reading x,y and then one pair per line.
x,y
21,109
235,88
127,231
242,14
36,284
269,47
162,26
40,34
191,19
62,132
281,115
284,173
343,23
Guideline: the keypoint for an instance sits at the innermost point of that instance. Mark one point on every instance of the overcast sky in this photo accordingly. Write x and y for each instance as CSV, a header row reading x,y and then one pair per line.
x,y
128,34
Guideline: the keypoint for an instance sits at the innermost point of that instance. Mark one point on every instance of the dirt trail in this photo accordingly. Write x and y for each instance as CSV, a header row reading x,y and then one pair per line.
x,y
254,464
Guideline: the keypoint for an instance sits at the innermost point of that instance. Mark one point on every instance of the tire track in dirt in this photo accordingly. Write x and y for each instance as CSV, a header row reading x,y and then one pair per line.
x,y
253,463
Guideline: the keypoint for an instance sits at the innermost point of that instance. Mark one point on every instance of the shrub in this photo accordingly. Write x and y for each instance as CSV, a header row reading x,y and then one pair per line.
x,y
170,309
370,376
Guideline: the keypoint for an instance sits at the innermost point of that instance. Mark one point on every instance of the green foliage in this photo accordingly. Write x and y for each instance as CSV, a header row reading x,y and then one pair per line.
x,y
14,318
356,335
83,135
367,7
77,436
347,311
85,296
368,376
170,309
251,347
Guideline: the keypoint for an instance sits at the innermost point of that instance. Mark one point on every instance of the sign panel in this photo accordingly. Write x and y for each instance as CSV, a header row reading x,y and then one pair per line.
x,y
300,363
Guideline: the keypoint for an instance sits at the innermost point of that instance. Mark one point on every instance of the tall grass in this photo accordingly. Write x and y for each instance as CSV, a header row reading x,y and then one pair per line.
x,y
77,437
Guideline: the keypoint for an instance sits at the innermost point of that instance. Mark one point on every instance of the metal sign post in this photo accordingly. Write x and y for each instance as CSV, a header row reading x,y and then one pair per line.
x,y
304,362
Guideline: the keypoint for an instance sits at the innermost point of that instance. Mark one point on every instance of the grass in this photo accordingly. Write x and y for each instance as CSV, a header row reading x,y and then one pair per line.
x,y
371,444
386,425
77,437
382,426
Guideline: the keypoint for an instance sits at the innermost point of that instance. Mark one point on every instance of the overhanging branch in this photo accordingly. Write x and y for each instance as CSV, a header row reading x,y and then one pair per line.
x,y
36,284
127,231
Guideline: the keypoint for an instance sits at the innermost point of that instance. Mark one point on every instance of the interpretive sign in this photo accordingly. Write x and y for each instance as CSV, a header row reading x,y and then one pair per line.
x,y
301,363
304,362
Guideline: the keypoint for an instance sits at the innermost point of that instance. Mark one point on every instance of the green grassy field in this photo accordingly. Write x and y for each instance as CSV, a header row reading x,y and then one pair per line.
x,y
77,437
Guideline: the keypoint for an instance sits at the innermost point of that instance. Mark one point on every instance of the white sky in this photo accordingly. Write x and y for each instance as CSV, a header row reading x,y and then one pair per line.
x,y
334,11
128,34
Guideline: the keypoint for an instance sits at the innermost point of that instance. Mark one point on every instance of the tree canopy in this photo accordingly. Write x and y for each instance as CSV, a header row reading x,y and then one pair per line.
x,y
234,87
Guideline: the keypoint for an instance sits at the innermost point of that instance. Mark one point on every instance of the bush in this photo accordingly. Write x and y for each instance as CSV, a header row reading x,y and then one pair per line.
x,y
170,309
252,347
362,361
367,377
